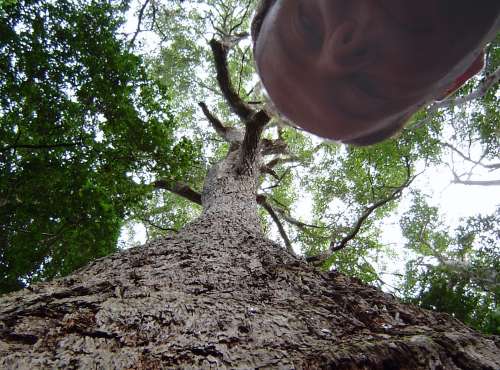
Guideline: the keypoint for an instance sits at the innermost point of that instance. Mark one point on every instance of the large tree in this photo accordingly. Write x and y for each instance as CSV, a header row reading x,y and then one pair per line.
x,y
220,294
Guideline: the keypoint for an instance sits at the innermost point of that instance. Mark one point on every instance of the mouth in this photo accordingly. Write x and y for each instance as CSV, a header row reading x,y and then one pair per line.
x,y
382,134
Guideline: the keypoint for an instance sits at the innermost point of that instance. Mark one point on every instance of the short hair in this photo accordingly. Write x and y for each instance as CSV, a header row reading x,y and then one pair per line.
x,y
258,19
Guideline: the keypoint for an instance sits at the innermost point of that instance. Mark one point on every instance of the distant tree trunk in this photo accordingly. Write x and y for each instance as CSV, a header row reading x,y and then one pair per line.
x,y
221,295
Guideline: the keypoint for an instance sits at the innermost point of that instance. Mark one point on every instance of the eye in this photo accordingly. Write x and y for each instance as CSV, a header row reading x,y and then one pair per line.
x,y
309,26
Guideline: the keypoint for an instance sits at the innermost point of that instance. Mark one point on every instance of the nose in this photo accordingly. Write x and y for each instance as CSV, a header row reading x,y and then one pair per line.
x,y
345,49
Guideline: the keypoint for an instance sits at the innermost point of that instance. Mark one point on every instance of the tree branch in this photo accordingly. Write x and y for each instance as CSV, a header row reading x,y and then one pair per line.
x,y
492,166
253,120
152,224
40,146
276,161
251,141
180,189
481,91
263,202
368,211
229,134
476,182
235,102
139,21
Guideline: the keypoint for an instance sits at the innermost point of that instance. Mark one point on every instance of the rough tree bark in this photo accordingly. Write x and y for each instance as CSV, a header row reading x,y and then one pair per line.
x,y
220,295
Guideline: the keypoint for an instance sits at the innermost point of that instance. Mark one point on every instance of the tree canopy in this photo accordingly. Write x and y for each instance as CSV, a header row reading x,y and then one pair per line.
x,y
82,127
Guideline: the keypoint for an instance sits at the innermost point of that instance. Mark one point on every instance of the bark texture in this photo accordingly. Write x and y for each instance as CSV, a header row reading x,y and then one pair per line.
x,y
220,295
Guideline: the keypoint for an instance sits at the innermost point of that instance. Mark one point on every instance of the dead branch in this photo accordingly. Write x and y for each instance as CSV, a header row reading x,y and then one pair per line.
x,y
457,180
486,84
180,189
280,160
270,147
152,224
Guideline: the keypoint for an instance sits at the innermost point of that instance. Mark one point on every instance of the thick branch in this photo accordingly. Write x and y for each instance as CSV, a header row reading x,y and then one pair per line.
x,y
223,78
180,189
254,121
229,134
251,141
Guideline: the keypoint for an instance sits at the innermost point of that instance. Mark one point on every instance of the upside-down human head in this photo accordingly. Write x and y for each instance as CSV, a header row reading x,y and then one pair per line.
x,y
356,70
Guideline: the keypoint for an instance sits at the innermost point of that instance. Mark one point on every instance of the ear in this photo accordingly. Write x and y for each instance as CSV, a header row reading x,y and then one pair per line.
x,y
474,68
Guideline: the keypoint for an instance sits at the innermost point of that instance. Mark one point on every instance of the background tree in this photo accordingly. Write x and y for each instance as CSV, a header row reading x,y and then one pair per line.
x,y
82,128
454,272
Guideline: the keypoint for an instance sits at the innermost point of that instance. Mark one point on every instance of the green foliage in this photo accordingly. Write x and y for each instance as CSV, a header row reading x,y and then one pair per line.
x,y
458,272
81,128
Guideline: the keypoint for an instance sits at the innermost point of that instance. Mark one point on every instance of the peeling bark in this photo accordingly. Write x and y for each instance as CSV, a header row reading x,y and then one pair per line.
x,y
220,295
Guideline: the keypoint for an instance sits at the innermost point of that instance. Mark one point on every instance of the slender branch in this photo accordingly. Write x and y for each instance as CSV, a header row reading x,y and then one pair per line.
x,y
270,147
486,84
368,211
139,21
270,171
476,182
40,146
492,166
263,202
301,225
180,189
276,161
481,91
151,223
229,134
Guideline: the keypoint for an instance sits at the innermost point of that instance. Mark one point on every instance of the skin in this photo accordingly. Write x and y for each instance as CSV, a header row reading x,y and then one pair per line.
x,y
356,70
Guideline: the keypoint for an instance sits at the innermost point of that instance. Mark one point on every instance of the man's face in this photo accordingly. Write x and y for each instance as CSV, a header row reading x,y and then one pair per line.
x,y
349,69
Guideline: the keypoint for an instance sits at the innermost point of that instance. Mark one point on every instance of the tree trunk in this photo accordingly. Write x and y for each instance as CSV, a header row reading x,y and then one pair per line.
x,y
221,295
